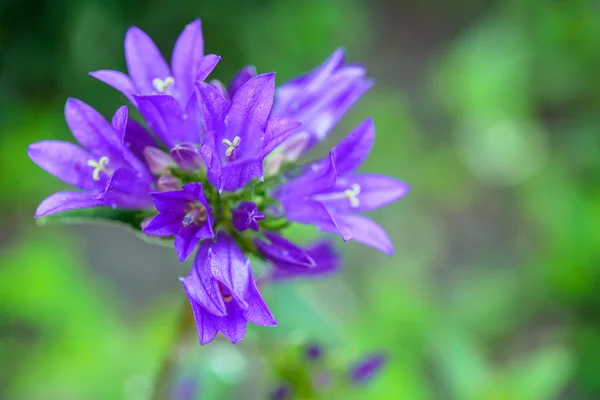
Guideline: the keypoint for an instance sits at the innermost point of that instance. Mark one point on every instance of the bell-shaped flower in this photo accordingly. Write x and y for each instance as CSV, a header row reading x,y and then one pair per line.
x,y
329,193
222,291
185,214
104,168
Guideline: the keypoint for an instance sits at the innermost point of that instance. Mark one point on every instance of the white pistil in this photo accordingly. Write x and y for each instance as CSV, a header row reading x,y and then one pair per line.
x,y
350,194
162,86
99,166
231,145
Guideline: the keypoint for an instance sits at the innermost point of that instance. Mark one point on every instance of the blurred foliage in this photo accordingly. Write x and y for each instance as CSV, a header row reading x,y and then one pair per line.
x,y
494,289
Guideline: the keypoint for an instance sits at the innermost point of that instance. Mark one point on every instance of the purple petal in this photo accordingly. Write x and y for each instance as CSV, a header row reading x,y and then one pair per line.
x,y
164,116
362,230
187,57
119,121
64,160
355,148
172,202
144,61
117,80
186,241
243,75
201,286
231,267
283,253
235,176
233,325
213,105
367,368
209,62
163,224
125,189
254,100
327,261
65,201
258,312
91,129
278,130
376,190
137,138
206,330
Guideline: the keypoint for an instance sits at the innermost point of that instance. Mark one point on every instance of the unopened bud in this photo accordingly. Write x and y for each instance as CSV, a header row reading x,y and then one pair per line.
x,y
157,160
187,157
168,183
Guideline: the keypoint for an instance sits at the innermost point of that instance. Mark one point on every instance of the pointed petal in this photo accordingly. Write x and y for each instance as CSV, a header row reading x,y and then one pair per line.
x,y
201,287
363,230
233,325
172,203
243,75
327,260
65,201
64,160
254,100
163,224
236,175
283,253
91,129
137,138
206,330
187,57
231,267
144,61
117,80
258,312
209,62
278,130
186,241
354,149
164,116
213,105
376,190
119,121
125,189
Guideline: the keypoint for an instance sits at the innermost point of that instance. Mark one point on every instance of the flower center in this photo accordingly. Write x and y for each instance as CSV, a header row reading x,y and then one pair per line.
x,y
162,86
350,194
231,145
99,166
195,214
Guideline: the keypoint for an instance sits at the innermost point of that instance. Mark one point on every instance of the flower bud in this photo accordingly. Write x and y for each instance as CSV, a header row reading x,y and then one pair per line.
x,y
157,160
187,157
168,183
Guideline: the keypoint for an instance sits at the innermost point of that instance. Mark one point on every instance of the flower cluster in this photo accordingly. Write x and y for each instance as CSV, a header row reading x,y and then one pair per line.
x,y
215,168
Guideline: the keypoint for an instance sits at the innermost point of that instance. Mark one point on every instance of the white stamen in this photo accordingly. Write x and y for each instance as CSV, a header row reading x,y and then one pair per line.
x,y
162,86
350,194
99,166
231,145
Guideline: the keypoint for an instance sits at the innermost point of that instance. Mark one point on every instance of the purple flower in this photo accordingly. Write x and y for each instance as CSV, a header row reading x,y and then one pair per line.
x,y
184,213
367,368
318,100
222,291
239,134
314,352
327,261
246,216
283,253
329,192
281,392
164,96
104,168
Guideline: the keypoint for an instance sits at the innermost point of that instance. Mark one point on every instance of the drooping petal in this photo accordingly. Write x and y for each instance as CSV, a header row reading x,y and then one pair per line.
x,y
258,312
164,116
327,261
117,80
254,100
231,267
233,325
362,230
201,286
206,330
186,241
243,75
283,253
65,201
187,57
144,61
350,153
278,130
64,160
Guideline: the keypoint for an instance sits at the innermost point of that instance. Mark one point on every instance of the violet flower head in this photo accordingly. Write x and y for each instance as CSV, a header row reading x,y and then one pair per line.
x,y
106,171
246,216
222,292
329,193
367,368
185,214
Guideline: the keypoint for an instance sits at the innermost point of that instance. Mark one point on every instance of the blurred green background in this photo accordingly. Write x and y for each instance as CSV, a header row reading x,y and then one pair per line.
x,y
489,109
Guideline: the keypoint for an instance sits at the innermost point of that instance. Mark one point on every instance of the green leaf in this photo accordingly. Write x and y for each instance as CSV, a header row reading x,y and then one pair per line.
x,y
130,219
